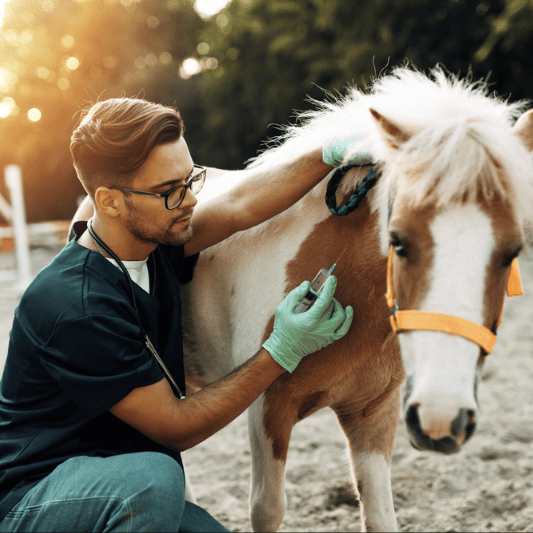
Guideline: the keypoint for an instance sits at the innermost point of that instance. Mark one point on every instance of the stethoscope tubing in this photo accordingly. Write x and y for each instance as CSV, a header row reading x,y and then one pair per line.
x,y
148,343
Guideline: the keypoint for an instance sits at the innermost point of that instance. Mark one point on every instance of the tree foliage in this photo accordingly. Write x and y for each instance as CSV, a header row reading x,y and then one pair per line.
x,y
259,60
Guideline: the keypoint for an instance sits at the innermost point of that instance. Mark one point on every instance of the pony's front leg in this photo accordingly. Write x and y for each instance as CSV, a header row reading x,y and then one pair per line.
x,y
370,443
267,496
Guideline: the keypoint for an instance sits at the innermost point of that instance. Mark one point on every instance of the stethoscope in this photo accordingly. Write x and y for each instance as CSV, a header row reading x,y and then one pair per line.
x,y
100,244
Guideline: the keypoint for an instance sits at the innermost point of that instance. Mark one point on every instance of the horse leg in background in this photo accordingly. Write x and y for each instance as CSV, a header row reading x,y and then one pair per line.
x,y
267,496
370,438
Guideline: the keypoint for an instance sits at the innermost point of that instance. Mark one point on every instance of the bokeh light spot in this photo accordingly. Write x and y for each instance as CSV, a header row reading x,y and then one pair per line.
x,y
2,7
26,37
68,41
232,53
203,48
222,20
190,67
211,63
72,63
63,84
4,111
8,80
165,58
207,8
43,73
109,62
153,22
34,114
151,60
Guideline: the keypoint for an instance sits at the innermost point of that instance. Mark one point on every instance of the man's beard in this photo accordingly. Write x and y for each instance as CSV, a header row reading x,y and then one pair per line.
x,y
169,236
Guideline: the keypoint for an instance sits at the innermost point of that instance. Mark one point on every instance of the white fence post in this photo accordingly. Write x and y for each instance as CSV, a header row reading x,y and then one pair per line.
x,y
13,179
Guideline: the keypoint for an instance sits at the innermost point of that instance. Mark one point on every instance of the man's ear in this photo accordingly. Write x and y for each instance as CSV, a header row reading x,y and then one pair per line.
x,y
109,201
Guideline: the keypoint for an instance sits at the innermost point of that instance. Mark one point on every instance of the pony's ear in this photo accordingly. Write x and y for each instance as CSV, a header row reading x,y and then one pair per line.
x,y
524,129
394,136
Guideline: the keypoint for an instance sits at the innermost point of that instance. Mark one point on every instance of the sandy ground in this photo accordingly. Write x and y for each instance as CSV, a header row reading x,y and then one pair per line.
x,y
488,486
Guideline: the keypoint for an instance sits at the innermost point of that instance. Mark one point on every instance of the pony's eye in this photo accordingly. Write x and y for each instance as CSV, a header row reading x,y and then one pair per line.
x,y
509,259
397,245
400,250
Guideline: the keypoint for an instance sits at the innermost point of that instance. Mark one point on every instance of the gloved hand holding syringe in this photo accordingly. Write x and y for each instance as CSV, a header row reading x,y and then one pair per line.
x,y
316,286
297,333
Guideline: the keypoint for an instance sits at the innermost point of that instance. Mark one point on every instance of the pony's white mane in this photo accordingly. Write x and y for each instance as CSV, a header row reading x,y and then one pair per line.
x,y
460,139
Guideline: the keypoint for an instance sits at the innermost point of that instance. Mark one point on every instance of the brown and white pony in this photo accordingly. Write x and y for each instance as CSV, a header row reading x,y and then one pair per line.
x,y
454,192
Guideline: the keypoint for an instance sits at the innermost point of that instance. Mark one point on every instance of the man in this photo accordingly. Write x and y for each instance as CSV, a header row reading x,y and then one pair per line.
x,y
90,427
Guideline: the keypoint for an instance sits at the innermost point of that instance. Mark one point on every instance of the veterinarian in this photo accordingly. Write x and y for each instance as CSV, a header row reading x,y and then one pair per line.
x,y
91,422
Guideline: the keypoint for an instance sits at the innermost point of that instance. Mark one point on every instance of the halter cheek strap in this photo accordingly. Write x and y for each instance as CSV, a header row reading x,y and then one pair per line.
x,y
423,320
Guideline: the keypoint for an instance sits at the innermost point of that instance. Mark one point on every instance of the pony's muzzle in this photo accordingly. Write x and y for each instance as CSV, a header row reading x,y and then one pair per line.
x,y
459,431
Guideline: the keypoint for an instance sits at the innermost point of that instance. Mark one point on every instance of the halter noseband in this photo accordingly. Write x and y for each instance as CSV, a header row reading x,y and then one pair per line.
x,y
421,320
454,325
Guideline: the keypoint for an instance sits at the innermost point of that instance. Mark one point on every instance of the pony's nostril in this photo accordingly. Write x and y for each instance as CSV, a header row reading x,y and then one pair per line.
x,y
463,420
412,419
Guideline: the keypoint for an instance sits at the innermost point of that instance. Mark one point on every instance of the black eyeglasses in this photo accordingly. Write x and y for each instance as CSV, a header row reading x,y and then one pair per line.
x,y
173,197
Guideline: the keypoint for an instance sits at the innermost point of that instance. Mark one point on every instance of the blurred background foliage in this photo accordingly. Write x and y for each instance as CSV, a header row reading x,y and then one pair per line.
x,y
233,75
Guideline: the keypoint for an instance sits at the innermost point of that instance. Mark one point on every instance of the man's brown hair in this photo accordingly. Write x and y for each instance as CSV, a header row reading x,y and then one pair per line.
x,y
116,136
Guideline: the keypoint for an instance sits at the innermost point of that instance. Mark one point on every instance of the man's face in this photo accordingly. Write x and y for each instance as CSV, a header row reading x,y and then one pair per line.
x,y
168,165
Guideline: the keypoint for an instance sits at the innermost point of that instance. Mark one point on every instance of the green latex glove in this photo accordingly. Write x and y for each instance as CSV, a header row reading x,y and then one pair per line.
x,y
352,149
296,335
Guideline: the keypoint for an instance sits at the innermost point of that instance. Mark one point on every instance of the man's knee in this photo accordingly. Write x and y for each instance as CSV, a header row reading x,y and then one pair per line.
x,y
159,473
158,488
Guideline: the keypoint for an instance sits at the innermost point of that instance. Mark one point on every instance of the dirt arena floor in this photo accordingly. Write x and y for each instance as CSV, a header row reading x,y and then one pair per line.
x,y
488,486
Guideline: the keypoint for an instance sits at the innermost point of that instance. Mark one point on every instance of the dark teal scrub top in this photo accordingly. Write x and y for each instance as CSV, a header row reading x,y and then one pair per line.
x,y
75,351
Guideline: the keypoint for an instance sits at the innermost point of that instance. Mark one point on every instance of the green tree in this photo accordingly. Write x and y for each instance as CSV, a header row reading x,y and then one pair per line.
x,y
271,54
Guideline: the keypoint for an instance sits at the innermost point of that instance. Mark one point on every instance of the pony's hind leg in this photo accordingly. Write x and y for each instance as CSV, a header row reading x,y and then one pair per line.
x,y
370,442
267,496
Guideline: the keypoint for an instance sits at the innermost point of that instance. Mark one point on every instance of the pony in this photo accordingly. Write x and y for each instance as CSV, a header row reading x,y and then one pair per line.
x,y
446,219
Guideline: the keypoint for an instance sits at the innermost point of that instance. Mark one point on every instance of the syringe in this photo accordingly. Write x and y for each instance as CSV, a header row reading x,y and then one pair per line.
x,y
316,286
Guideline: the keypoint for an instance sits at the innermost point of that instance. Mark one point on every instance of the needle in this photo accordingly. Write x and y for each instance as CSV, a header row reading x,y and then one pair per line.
x,y
335,264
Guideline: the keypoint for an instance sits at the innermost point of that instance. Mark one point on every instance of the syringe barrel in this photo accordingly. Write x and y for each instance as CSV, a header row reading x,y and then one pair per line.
x,y
316,287
320,280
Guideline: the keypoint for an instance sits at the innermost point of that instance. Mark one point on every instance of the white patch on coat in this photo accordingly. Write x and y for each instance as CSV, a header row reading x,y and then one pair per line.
x,y
267,496
372,474
446,364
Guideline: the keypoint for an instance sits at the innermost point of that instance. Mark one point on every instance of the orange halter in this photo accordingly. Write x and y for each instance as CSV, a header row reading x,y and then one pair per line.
x,y
423,320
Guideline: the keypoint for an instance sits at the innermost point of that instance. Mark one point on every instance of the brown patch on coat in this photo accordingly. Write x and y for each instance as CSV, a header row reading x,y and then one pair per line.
x,y
309,405
410,275
508,238
354,369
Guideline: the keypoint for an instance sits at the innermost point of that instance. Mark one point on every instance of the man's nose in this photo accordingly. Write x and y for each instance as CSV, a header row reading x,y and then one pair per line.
x,y
190,199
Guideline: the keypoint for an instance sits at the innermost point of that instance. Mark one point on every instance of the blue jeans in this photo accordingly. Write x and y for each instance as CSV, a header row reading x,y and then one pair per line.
x,y
132,492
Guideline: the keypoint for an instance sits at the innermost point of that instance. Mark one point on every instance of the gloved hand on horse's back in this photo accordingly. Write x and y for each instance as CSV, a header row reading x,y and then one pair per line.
x,y
296,335
353,149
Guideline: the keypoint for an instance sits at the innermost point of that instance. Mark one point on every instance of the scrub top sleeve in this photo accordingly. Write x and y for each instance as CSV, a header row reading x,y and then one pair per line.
x,y
183,266
98,361
186,272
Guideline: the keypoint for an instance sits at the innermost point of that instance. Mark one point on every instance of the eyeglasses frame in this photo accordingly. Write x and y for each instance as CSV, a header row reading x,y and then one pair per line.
x,y
166,194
